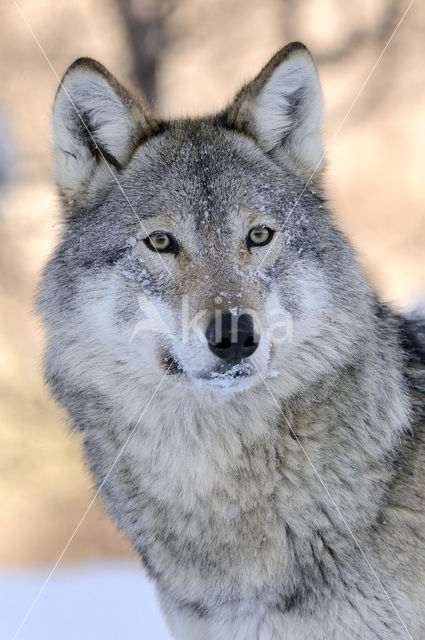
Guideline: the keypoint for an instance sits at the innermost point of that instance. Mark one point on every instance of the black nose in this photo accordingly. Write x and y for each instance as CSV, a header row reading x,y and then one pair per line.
x,y
232,337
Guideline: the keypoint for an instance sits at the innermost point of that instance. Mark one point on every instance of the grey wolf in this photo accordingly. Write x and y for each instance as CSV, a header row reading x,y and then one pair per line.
x,y
273,488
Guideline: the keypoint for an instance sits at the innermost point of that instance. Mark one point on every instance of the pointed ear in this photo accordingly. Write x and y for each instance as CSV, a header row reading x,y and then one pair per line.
x,y
282,110
97,125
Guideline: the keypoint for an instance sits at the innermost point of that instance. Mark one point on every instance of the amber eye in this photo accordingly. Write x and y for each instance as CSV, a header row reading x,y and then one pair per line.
x,y
259,236
161,241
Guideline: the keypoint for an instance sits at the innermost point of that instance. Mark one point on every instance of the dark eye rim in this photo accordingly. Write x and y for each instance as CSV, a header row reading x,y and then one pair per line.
x,y
173,247
250,243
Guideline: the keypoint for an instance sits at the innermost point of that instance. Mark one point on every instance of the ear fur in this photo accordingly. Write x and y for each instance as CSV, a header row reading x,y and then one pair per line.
x,y
97,125
282,110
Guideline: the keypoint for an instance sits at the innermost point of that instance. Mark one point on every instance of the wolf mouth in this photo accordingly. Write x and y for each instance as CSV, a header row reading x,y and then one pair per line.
x,y
236,376
237,369
223,373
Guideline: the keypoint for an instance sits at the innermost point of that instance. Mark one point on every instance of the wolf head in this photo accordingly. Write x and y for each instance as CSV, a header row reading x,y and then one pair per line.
x,y
199,248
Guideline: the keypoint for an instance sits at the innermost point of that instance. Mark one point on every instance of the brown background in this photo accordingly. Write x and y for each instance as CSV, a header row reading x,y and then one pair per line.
x,y
191,56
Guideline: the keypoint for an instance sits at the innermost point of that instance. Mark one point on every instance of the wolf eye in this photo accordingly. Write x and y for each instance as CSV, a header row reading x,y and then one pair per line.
x,y
162,242
259,236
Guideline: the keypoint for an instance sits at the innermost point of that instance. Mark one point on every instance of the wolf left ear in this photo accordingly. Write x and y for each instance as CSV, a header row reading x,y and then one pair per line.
x,y
97,125
282,110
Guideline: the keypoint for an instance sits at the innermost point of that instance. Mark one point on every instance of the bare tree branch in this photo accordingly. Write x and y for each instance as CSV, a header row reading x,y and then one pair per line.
x,y
145,21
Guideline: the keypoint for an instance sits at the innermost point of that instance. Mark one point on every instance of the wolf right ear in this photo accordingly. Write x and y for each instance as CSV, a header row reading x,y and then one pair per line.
x,y
282,110
97,125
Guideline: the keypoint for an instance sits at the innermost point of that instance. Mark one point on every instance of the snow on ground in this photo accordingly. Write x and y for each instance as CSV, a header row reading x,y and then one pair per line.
x,y
99,601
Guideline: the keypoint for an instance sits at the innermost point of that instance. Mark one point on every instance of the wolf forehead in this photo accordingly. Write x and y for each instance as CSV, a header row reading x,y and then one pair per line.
x,y
214,181
211,184
199,168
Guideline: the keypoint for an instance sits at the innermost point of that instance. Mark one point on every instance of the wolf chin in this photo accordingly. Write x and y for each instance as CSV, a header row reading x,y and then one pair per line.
x,y
272,487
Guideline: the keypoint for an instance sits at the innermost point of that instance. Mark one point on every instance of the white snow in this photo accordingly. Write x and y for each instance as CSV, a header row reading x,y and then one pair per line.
x,y
131,242
96,601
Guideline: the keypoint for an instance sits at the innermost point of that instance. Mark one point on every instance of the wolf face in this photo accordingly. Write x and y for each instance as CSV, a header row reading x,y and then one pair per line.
x,y
200,248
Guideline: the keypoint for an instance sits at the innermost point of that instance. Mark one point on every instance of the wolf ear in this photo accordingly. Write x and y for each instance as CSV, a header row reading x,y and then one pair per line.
x,y
282,110
97,125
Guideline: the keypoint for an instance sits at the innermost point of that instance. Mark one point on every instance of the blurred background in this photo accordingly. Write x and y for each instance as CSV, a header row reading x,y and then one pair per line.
x,y
188,57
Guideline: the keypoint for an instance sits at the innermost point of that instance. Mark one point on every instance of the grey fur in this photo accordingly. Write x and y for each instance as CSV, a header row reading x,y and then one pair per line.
x,y
254,522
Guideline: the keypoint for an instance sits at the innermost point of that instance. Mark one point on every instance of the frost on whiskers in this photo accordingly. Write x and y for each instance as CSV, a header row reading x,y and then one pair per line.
x,y
236,378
